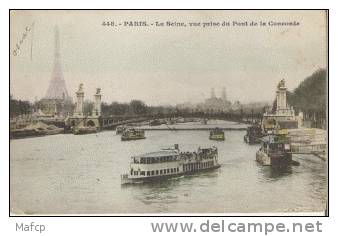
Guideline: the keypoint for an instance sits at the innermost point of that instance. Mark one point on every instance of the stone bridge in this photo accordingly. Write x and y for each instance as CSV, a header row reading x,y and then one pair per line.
x,y
110,122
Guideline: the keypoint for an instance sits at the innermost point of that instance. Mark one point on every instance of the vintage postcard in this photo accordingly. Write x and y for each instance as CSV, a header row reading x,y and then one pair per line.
x,y
168,111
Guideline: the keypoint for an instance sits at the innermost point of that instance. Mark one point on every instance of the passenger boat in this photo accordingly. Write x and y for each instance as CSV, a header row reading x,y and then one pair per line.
x,y
132,134
275,150
169,163
84,130
217,134
120,129
253,134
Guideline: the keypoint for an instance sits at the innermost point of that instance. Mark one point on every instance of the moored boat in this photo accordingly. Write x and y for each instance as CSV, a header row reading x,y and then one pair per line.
x,y
275,150
84,130
132,134
253,134
35,130
23,133
169,163
217,134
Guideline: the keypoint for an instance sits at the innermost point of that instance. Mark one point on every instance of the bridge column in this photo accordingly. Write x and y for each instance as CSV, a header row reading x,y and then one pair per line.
x,y
281,96
97,105
79,103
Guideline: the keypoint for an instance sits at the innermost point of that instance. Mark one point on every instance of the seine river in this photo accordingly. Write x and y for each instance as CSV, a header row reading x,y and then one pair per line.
x,y
78,174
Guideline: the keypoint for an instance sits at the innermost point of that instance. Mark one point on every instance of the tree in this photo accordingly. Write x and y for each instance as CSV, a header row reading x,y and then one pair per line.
x,y
311,94
119,108
274,106
138,107
88,107
19,107
310,97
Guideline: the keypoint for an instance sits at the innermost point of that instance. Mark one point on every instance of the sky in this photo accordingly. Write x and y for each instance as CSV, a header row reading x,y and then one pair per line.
x,y
166,65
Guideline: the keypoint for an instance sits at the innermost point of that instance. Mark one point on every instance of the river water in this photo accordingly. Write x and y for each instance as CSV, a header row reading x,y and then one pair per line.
x,y
79,174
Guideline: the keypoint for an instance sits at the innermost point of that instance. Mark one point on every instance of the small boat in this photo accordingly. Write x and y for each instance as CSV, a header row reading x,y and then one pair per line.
x,y
253,134
132,134
217,134
84,130
155,123
275,150
169,163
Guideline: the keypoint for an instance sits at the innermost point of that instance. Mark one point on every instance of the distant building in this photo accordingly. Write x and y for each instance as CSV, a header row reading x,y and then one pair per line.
x,y
57,102
236,106
216,104
224,95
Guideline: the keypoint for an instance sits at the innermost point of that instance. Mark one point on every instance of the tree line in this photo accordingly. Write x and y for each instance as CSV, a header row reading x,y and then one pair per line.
x,y
135,107
311,97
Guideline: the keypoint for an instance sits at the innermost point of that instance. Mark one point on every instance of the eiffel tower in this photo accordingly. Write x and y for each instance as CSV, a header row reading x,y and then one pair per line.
x,y
57,86
56,101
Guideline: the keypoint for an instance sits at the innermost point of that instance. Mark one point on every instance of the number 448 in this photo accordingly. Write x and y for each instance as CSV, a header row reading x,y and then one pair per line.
x,y
108,23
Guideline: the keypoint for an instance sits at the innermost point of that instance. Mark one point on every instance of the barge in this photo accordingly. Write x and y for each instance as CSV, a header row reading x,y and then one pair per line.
x,y
132,134
35,130
169,163
217,134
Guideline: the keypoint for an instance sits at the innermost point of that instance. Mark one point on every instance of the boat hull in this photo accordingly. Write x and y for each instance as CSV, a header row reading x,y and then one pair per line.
x,y
274,160
131,138
160,178
218,137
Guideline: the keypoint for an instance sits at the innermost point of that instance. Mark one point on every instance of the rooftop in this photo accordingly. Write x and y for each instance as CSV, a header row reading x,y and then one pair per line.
x,y
162,153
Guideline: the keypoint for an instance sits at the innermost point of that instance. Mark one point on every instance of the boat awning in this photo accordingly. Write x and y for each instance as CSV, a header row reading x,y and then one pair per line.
x,y
274,139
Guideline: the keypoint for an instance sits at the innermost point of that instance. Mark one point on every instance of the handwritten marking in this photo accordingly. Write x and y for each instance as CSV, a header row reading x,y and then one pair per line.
x,y
19,44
